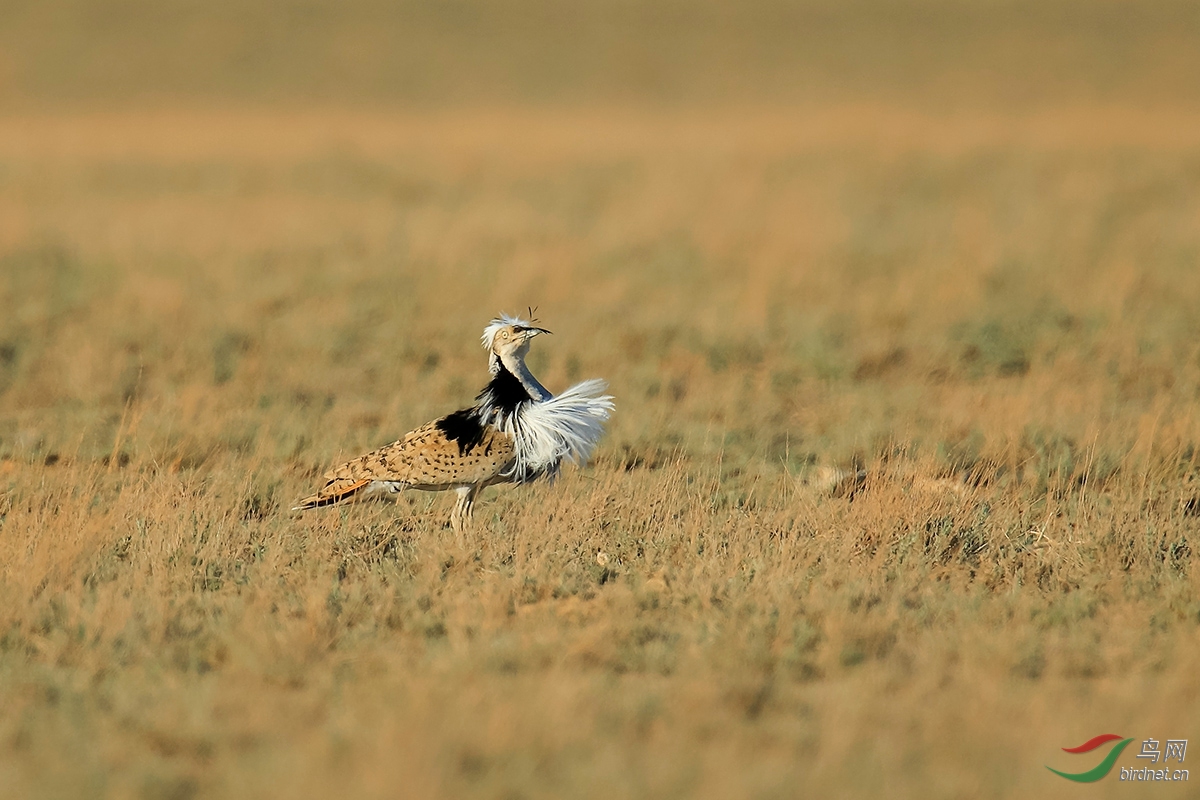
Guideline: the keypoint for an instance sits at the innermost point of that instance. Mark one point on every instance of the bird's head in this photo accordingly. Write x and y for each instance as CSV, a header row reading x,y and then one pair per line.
x,y
508,337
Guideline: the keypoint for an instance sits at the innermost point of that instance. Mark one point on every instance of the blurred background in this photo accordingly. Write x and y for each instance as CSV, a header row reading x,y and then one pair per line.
x,y
944,54
810,192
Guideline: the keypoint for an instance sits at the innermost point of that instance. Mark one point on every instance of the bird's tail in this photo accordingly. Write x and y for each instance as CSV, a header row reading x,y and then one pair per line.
x,y
336,491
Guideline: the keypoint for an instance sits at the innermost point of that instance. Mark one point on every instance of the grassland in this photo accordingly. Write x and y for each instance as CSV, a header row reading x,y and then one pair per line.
x,y
989,307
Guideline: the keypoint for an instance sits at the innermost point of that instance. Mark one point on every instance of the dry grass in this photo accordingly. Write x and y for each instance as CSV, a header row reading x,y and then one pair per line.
x,y
998,327
989,310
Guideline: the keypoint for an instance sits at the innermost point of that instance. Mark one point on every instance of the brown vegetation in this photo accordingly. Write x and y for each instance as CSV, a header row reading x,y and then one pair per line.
x,y
991,312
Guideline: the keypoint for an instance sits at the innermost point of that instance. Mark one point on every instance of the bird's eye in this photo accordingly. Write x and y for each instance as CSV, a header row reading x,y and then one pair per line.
x,y
504,334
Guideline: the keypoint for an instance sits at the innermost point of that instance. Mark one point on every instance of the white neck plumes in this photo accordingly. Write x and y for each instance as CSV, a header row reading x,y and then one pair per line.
x,y
549,431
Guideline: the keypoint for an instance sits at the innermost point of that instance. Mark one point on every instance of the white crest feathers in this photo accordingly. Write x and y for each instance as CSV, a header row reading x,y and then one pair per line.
x,y
489,333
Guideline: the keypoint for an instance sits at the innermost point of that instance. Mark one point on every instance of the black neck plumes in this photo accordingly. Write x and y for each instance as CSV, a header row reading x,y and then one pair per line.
x,y
501,397
497,402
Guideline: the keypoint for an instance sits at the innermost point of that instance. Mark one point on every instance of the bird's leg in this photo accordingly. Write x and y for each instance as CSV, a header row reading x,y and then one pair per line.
x,y
469,511
464,506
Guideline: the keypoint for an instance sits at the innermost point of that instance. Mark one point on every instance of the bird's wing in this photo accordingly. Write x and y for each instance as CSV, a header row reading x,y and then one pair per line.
x,y
449,451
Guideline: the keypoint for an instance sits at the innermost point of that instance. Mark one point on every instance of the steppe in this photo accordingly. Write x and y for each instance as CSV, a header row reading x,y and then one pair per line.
x,y
900,304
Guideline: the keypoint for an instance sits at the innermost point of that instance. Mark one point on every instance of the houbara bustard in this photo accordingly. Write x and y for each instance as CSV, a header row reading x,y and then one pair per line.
x,y
516,432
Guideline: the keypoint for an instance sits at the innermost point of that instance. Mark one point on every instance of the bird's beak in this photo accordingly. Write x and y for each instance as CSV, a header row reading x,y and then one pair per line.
x,y
532,332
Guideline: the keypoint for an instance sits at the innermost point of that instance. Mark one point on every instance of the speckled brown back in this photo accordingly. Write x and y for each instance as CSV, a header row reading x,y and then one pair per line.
x,y
427,457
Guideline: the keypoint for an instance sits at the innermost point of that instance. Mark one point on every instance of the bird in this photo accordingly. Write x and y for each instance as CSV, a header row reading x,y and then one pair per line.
x,y
516,432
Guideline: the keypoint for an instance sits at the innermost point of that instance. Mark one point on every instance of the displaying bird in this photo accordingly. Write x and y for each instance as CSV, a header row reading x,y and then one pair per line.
x,y
516,432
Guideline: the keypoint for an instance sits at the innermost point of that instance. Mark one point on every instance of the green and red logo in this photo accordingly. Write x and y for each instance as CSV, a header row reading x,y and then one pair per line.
x,y
1100,770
